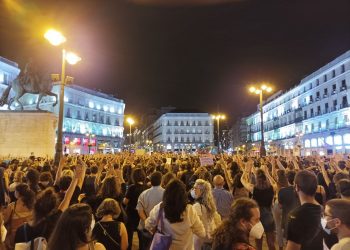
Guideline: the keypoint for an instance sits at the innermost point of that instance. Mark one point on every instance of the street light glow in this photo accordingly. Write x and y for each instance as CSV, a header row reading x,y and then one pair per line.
x,y
130,121
263,87
72,58
252,89
54,37
269,89
258,91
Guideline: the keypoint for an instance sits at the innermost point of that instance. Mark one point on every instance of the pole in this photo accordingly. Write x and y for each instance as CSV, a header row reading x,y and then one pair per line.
x,y
218,121
262,144
130,137
61,109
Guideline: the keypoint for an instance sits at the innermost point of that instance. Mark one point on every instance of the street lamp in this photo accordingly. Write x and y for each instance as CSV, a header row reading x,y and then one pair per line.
x,y
56,38
90,135
259,91
131,122
218,117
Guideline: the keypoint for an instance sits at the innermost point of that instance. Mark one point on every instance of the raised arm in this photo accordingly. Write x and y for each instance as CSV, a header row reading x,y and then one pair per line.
x,y
79,174
245,178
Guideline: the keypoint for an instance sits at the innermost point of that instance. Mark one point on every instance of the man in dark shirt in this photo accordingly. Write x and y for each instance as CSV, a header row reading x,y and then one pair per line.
x,y
304,230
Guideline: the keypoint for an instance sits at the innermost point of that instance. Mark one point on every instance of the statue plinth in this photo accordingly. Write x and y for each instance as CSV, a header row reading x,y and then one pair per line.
x,y
24,132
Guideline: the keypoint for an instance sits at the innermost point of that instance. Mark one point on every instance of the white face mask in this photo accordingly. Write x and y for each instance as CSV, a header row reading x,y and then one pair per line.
x,y
257,231
324,225
193,194
3,233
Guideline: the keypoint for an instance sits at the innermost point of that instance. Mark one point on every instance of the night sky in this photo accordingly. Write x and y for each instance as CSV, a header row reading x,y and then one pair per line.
x,y
199,57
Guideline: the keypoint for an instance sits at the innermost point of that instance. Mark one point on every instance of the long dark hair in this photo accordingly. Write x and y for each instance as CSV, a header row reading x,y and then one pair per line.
x,y
110,188
26,195
46,202
72,228
229,232
174,201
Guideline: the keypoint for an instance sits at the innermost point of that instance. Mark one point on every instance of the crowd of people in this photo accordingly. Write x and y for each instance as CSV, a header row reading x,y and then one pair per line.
x,y
127,201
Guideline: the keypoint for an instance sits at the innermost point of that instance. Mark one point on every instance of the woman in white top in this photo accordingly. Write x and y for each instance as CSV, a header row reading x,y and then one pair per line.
x,y
180,219
206,210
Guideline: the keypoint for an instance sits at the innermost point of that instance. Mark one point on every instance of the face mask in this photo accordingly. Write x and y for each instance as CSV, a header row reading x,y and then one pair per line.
x,y
193,194
92,223
324,225
257,231
3,233
45,183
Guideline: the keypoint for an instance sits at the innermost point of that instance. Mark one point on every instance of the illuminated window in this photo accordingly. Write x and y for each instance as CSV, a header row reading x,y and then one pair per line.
x,y
314,142
338,140
320,141
346,138
307,143
329,140
91,105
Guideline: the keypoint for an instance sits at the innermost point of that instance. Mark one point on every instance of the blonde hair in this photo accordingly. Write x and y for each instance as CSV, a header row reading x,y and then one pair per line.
x,y
18,177
108,207
207,198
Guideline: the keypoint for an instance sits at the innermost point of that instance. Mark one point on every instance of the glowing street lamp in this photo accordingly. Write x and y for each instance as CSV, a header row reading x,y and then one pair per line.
x,y
218,117
56,38
131,122
259,91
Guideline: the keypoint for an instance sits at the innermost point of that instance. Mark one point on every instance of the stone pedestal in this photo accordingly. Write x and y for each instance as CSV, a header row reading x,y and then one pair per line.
x,y
24,132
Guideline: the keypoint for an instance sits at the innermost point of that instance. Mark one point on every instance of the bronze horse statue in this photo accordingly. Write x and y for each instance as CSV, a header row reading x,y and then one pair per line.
x,y
23,85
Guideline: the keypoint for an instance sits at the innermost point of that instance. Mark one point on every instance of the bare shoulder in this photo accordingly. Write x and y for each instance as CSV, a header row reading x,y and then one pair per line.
x,y
99,246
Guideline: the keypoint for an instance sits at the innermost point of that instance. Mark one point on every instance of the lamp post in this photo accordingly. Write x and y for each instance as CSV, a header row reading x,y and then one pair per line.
x,y
218,117
259,91
56,39
90,135
130,121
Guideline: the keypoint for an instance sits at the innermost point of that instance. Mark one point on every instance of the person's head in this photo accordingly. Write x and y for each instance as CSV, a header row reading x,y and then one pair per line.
x,y
73,228
339,176
25,194
167,178
108,207
156,178
261,180
46,201
64,182
110,188
344,188
45,179
291,177
18,177
282,178
202,193
175,200
218,181
68,173
94,169
337,217
306,183
32,177
244,215
138,175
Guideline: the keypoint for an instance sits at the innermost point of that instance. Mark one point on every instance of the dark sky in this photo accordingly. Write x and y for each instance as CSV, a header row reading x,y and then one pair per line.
x,y
201,56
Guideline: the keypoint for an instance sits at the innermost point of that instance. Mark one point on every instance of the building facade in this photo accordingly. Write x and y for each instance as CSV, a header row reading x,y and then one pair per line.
x,y
181,131
311,118
93,121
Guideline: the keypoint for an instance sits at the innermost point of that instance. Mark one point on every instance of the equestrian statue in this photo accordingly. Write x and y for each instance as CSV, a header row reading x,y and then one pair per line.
x,y
30,81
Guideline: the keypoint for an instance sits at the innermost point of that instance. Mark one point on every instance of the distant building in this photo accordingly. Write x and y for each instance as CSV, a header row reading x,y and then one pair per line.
x,y
238,133
177,130
93,121
311,118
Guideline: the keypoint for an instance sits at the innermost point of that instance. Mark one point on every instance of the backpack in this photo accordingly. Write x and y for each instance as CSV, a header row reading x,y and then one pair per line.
x,y
38,243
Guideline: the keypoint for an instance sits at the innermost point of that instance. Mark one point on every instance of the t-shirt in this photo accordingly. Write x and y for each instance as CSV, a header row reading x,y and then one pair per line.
x,y
132,195
343,244
289,201
263,197
112,229
42,229
304,227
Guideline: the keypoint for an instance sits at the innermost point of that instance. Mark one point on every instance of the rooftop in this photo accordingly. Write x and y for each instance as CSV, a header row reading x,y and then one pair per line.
x,y
95,93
